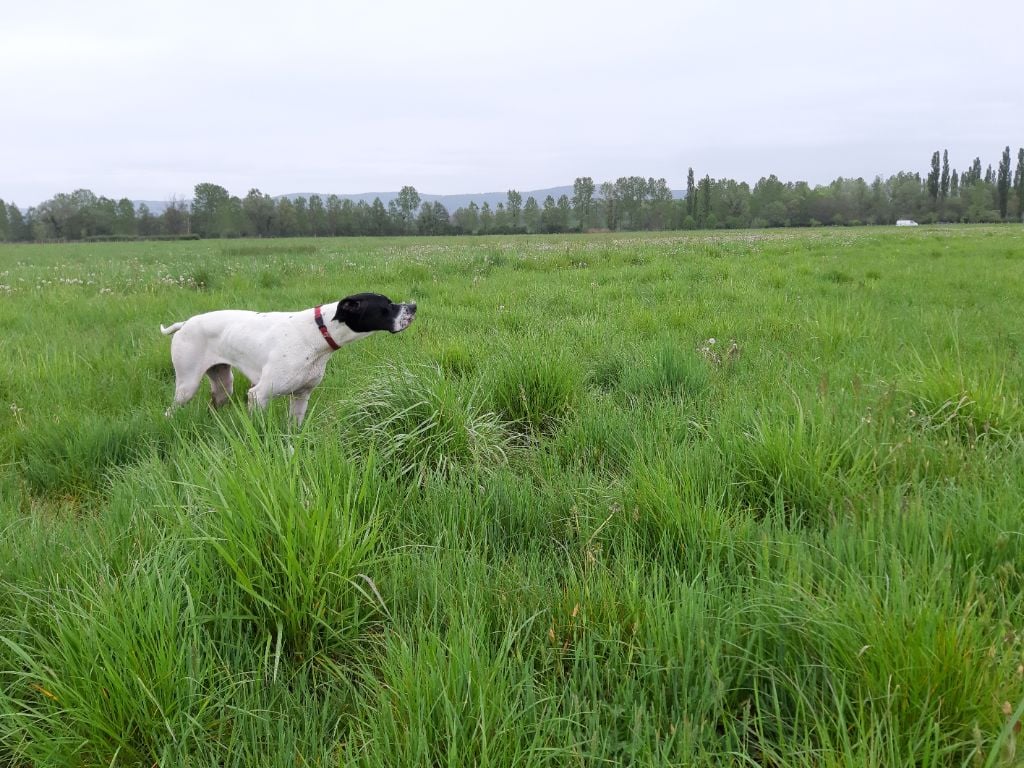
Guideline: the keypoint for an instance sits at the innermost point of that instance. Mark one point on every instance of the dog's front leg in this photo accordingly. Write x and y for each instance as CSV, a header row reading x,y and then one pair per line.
x,y
258,397
298,405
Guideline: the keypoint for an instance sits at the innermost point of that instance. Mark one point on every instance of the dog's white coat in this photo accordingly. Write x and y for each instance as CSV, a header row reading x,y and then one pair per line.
x,y
281,353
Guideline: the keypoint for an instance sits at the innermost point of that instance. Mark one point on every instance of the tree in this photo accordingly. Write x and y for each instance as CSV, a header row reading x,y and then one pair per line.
x,y
302,227
4,222
486,219
441,218
549,215
349,214
944,180
317,216
101,218
658,212
395,223
259,211
425,220
408,203
17,228
361,215
1003,184
767,203
467,220
906,195
146,223
630,193
691,190
1018,183
230,220
175,220
334,215
125,222
933,178
704,195
514,207
432,219
208,201
378,218
564,210
611,205
284,219
954,185
975,173
980,206
531,215
72,216
501,220
583,200
732,204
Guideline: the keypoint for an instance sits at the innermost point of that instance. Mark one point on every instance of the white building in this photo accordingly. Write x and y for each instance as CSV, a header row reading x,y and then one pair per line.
x,y
906,223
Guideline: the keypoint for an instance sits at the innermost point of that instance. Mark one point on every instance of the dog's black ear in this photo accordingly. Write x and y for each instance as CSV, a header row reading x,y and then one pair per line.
x,y
346,307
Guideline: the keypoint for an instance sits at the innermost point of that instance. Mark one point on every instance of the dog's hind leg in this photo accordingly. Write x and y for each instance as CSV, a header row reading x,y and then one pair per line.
x,y
221,383
188,372
185,389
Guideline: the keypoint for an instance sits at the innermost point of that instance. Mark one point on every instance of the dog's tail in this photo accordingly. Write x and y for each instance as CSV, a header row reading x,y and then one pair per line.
x,y
171,329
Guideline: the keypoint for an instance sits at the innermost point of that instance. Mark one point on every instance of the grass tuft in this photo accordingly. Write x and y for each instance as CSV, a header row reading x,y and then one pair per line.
x,y
801,464
75,455
293,537
422,423
536,391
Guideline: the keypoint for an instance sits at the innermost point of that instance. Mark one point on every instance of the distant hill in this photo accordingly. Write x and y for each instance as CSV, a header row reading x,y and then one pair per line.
x,y
451,202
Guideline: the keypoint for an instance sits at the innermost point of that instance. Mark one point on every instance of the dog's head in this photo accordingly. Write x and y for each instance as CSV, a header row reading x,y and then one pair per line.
x,y
368,312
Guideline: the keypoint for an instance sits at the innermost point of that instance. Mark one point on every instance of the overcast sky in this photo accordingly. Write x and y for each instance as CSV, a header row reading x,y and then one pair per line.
x,y
145,100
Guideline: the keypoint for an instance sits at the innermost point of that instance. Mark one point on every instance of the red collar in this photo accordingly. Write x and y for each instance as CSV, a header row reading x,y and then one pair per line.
x,y
323,329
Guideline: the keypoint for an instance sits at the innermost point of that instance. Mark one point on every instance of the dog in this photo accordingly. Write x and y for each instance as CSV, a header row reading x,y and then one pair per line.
x,y
281,353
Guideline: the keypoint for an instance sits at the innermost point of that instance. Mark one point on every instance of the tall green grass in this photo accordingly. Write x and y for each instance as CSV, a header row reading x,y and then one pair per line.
x,y
553,523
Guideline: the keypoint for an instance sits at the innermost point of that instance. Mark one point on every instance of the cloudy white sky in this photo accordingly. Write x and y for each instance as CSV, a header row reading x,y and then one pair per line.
x,y
145,100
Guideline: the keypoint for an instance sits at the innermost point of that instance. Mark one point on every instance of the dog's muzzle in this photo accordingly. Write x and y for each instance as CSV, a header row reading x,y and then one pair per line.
x,y
405,317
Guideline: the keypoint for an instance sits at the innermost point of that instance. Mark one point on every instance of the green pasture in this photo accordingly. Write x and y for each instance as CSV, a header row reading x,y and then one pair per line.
x,y
746,498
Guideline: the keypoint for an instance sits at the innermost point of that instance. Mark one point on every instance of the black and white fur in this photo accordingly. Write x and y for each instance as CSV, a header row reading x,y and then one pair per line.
x,y
281,353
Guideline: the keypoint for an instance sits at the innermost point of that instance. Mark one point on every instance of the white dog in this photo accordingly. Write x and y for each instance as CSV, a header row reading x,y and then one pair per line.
x,y
281,353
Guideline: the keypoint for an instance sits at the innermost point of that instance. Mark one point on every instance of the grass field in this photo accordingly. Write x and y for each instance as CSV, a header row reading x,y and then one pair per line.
x,y
750,498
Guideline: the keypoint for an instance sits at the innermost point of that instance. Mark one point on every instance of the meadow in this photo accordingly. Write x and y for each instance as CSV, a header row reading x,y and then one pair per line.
x,y
744,498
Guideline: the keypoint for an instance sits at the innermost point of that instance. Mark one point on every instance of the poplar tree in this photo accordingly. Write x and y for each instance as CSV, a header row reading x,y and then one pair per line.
x,y
933,178
1018,183
705,201
944,181
1003,183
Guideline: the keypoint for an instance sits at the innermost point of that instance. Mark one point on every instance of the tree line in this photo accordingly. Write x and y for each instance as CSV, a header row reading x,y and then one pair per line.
x,y
628,203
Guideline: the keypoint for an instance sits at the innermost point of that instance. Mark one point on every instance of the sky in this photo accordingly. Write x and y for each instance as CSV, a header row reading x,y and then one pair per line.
x,y
146,100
